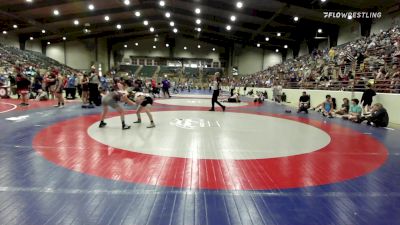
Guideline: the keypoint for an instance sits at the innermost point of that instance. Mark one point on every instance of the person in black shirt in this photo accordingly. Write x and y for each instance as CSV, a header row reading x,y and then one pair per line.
x,y
379,116
367,97
304,103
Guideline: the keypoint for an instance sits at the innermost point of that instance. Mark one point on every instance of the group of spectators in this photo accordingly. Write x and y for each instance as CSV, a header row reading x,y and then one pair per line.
x,y
352,66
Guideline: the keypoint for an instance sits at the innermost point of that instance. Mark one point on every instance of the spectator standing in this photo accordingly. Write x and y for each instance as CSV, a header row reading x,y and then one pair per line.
x,y
367,98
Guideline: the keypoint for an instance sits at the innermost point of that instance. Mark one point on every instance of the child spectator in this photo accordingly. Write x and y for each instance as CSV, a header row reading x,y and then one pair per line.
x,y
354,112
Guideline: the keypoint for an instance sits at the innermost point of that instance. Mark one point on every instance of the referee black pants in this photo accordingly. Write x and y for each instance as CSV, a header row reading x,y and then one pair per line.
x,y
215,99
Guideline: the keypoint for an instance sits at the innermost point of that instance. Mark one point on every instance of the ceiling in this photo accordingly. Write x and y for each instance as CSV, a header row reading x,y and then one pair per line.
x,y
255,21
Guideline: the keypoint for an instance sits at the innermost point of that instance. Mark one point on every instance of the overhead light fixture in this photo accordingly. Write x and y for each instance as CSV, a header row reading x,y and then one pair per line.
x,y
4,32
198,46
285,46
152,29
258,45
56,12
154,46
86,30
107,18
162,3
125,46
349,17
43,31
197,11
64,38
127,2
296,18
320,30
172,23
31,38
198,29
239,5
48,43
76,22
118,26
146,22
267,39
167,45
136,44
155,39
213,49
29,1
198,21
276,50
167,14
233,18
175,30
15,26
91,7
278,34
228,27
185,48
137,13
323,0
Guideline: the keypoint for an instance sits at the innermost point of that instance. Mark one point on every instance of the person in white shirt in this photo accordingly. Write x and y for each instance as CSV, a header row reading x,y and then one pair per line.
x,y
215,87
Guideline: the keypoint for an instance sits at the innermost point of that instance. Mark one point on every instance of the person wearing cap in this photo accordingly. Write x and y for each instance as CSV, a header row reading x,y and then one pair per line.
x,y
144,103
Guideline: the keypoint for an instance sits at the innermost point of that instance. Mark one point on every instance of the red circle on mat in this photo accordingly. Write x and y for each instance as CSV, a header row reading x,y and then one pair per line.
x,y
350,154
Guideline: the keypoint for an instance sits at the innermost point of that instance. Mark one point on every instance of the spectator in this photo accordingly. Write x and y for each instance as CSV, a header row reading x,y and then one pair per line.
x,y
354,112
70,90
304,103
379,116
326,107
367,98
345,107
23,84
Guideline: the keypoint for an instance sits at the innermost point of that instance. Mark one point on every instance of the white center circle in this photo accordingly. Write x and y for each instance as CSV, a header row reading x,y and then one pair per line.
x,y
212,135
196,102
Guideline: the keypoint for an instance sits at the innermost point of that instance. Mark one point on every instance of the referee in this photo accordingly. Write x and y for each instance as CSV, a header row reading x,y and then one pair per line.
x,y
215,87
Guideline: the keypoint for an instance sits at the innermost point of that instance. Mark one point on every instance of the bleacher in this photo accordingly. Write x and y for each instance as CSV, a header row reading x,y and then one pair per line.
x,y
128,68
169,70
191,72
147,71
211,71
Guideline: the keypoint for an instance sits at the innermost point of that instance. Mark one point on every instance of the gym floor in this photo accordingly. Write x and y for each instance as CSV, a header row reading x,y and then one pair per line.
x,y
252,164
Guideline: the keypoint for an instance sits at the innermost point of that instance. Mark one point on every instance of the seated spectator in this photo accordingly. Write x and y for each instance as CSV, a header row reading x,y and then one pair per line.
x,y
378,117
345,107
326,107
355,111
42,96
304,103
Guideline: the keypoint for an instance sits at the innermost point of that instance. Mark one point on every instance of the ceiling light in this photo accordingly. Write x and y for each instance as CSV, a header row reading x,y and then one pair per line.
x,y
31,38
76,22
319,30
167,45
233,18
172,23
185,48
296,18
278,34
43,31
106,18
258,45
198,29
155,39
15,26
91,7
29,1
151,29
228,27
118,26
86,30
175,30
136,44
125,46
213,49
162,3
127,2
323,0
198,46
56,12
48,43
276,50
267,39
285,46
4,32
198,21
64,38
137,14
154,46
146,22
239,5
197,11
167,14
349,17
